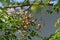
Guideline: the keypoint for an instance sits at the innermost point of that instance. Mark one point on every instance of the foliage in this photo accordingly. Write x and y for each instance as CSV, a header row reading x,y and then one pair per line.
x,y
56,36
21,21
57,22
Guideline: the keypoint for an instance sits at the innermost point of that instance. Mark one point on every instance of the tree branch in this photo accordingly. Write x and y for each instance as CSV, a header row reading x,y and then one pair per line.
x,y
21,5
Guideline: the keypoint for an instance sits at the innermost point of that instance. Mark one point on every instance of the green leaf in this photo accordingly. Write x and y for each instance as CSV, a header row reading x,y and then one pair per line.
x,y
45,1
57,10
33,33
58,30
49,11
4,25
0,10
6,17
2,19
2,38
57,22
2,1
35,7
56,35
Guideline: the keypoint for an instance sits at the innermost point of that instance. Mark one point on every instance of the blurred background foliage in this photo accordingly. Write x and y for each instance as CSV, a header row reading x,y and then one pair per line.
x,y
22,20
56,35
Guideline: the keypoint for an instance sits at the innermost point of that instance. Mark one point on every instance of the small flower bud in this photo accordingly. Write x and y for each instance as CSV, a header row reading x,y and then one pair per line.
x,y
25,26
